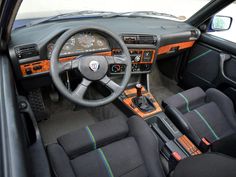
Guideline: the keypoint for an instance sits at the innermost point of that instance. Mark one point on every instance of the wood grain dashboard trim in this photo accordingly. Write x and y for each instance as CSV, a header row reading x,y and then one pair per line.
x,y
131,93
180,46
43,66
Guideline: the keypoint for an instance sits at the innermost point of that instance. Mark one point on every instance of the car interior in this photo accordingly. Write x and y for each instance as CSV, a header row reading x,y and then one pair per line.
x,y
117,95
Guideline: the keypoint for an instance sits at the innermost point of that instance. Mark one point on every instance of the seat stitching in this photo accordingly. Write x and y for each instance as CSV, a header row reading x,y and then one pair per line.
x,y
104,159
186,100
207,124
91,137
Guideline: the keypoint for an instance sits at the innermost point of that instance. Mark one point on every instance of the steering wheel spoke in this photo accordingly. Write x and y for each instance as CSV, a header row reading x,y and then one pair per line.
x,y
64,66
110,84
81,88
121,59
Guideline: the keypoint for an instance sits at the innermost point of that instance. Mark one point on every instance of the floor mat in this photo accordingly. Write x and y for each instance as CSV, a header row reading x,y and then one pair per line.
x,y
66,117
64,122
161,86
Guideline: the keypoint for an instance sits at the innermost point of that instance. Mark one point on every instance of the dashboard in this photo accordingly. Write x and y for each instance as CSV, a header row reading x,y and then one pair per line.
x,y
81,43
147,39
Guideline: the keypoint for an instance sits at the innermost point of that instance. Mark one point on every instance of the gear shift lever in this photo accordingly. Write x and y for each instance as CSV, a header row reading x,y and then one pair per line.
x,y
141,101
139,90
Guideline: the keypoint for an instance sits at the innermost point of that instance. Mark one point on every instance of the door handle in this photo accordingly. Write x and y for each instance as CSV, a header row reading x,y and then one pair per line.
x,y
222,77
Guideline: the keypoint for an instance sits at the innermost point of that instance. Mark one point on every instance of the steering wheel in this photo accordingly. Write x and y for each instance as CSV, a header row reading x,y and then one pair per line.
x,y
92,68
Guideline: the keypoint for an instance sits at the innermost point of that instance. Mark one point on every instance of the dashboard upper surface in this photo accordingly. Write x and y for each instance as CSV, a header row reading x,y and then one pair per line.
x,y
41,34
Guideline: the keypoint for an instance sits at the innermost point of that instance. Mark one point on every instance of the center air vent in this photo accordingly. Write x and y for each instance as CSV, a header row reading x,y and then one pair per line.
x,y
140,39
26,51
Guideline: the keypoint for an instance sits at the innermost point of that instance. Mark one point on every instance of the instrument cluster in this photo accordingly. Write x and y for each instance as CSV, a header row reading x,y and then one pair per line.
x,y
81,43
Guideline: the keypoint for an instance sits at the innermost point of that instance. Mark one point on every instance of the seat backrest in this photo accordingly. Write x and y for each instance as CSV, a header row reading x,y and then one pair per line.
x,y
114,147
93,137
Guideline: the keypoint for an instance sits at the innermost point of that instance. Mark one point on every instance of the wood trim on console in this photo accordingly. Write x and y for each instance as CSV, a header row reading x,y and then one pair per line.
x,y
182,45
131,93
188,145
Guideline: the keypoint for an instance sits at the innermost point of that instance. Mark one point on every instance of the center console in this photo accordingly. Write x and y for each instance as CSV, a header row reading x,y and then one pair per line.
x,y
140,101
175,146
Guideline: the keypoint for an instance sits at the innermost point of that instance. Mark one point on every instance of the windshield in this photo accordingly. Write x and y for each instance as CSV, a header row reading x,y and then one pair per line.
x,y
35,9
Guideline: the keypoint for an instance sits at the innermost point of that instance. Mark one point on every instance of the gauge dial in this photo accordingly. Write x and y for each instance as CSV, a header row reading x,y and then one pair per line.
x,y
86,40
81,43
50,48
69,46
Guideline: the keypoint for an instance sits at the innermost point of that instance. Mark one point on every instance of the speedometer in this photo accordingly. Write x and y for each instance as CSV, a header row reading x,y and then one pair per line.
x,y
86,40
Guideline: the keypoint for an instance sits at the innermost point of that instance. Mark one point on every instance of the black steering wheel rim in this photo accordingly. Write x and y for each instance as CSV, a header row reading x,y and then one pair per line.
x,y
55,69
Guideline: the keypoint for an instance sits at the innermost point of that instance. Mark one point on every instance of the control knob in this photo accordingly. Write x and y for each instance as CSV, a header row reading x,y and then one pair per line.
x,y
116,68
137,58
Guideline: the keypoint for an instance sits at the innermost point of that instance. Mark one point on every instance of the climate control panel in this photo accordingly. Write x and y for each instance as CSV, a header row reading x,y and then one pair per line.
x,y
142,60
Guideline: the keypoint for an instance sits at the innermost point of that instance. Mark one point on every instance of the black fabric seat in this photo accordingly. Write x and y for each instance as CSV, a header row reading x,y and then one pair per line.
x,y
109,148
206,165
202,114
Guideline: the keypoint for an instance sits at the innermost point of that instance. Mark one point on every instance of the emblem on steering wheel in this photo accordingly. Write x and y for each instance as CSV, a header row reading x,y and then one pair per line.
x,y
94,66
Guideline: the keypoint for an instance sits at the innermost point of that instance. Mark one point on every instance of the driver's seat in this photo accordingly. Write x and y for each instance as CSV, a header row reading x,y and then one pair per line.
x,y
110,148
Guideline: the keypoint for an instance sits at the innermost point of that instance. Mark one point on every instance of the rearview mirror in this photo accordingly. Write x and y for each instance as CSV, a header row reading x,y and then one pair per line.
x,y
221,23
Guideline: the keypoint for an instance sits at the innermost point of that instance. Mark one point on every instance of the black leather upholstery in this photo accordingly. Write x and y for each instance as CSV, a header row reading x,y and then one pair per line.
x,y
109,148
202,114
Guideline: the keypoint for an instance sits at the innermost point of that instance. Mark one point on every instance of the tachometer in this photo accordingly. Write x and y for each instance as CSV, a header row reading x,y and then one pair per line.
x,y
86,40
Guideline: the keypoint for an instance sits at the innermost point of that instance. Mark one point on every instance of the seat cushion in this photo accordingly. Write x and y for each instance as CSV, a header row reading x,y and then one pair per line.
x,y
206,165
202,115
112,160
208,121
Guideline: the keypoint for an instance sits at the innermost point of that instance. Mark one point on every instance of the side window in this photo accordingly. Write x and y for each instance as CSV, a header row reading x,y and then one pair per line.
x,y
223,24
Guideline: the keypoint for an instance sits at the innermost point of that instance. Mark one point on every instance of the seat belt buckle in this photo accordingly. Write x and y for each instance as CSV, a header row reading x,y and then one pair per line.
x,y
205,145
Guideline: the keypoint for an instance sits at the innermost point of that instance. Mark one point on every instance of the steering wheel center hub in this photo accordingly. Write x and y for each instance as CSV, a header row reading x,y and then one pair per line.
x,y
93,67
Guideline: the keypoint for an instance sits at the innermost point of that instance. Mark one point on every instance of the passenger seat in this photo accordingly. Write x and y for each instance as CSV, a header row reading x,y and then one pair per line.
x,y
202,115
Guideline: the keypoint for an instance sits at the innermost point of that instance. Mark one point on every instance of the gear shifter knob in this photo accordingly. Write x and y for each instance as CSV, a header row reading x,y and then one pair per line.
x,y
139,89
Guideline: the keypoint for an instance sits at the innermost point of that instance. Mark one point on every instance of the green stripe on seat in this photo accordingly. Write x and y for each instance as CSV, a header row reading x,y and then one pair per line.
x,y
186,100
199,56
104,159
91,137
207,124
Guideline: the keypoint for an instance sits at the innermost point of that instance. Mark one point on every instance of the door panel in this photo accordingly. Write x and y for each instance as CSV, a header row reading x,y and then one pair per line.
x,y
13,161
212,63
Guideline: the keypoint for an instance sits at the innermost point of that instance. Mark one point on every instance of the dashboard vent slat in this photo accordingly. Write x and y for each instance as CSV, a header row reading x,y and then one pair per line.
x,y
140,39
26,51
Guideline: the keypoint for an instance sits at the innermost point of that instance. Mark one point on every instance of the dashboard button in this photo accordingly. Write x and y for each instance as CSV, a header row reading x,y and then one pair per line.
x,y
28,71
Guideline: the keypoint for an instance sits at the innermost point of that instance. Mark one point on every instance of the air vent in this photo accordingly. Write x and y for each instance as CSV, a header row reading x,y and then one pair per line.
x,y
26,51
140,39
147,40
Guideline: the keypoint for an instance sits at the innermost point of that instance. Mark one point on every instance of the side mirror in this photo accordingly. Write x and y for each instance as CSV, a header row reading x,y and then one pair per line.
x,y
221,23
